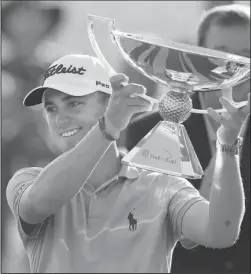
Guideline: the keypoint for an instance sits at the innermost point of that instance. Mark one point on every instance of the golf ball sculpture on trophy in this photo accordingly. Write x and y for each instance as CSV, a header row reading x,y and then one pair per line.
x,y
184,69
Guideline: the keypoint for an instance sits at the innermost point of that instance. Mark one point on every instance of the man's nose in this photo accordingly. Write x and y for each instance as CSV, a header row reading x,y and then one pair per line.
x,y
63,120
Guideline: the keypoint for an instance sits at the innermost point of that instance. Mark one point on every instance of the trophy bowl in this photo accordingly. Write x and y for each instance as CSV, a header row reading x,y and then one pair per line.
x,y
184,69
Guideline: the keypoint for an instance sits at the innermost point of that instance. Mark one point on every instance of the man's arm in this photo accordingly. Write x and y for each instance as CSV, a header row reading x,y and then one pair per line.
x,y
218,222
207,180
59,182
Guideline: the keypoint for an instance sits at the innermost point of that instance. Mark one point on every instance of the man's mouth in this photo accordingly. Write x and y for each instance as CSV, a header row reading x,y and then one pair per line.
x,y
70,133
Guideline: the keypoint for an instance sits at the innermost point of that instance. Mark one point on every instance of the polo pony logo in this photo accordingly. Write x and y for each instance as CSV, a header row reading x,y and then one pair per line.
x,y
132,221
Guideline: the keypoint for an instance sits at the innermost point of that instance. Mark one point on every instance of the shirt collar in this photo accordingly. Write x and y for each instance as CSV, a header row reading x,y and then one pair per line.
x,y
128,172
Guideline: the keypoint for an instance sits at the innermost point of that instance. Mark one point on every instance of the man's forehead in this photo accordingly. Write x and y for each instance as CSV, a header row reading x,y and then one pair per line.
x,y
53,94
237,37
50,93
244,28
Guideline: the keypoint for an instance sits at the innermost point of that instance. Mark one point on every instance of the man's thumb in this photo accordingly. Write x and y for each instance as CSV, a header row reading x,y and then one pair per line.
x,y
118,80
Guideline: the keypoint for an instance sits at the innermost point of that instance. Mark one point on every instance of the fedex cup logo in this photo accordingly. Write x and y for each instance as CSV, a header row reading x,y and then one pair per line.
x,y
159,155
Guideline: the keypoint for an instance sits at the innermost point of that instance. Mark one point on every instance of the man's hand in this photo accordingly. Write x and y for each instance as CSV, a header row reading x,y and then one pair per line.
x,y
123,103
231,121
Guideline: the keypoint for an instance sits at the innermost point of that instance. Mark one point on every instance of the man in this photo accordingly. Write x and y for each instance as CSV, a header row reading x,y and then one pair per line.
x,y
72,214
225,28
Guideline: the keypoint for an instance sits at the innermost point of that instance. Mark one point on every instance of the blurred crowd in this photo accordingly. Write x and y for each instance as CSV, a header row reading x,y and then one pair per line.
x,y
30,31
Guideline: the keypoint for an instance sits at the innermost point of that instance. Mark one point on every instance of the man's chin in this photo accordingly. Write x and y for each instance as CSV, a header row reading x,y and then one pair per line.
x,y
62,147
72,142
64,144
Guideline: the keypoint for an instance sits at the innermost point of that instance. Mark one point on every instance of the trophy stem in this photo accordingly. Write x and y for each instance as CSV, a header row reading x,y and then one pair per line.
x,y
175,105
167,147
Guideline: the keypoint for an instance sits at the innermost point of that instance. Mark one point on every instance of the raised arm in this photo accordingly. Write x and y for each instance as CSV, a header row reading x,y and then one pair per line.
x,y
220,219
59,182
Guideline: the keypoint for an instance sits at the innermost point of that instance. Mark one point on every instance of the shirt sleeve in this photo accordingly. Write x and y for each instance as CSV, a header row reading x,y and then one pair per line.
x,y
18,184
182,196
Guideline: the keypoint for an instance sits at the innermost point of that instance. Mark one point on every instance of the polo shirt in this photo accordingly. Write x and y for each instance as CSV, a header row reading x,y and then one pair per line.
x,y
131,224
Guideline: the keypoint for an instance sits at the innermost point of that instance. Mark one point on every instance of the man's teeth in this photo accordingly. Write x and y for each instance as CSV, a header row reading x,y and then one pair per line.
x,y
70,133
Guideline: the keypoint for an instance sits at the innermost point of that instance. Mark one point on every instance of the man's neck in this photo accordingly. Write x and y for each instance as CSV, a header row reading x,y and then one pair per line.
x,y
107,167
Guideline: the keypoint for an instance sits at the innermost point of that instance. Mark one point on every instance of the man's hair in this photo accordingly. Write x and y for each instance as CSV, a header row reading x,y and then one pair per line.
x,y
226,15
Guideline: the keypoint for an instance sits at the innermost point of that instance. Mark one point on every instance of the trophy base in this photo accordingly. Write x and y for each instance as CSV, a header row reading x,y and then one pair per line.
x,y
166,149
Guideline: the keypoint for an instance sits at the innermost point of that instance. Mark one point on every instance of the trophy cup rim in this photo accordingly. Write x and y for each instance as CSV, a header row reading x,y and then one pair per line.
x,y
185,47
194,49
158,41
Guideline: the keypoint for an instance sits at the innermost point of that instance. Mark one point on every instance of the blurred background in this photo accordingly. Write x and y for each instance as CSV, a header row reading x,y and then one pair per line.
x,y
34,34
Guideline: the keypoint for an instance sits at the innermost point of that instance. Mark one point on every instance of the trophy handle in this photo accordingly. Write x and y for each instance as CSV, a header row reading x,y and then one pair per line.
x,y
203,111
96,48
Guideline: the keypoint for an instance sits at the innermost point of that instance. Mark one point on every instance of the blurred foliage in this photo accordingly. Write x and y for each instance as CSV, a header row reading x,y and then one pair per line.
x,y
25,137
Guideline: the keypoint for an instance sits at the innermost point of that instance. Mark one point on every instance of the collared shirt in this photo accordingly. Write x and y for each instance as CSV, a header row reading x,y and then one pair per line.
x,y
132,225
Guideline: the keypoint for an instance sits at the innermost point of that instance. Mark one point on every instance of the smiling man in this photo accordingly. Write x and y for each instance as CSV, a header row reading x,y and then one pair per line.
x,y
86,212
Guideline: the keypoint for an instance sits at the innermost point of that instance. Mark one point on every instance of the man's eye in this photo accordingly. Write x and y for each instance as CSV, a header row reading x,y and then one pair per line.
x,y
50,109
74,104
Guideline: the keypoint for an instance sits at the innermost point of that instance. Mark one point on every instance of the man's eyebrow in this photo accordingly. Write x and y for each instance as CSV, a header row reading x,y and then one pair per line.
x,y
68,97
65,98
47,103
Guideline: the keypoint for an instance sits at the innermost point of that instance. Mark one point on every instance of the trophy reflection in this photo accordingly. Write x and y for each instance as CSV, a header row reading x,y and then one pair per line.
x,y
183,69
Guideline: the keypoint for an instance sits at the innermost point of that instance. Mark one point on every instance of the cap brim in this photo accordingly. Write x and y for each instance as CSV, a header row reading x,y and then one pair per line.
x,y
35,96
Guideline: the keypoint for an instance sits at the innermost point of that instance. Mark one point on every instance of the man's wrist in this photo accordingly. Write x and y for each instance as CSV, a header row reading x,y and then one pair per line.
x,y
231,150
226,137
108,130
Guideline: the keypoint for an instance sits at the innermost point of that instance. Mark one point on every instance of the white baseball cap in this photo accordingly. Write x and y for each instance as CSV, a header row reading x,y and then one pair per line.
x,y
73,74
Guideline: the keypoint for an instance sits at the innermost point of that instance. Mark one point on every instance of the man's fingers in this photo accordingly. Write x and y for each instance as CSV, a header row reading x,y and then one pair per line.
x,y
118,80
217,117
132,90
232,109
136,109
228,105
213,114
138,101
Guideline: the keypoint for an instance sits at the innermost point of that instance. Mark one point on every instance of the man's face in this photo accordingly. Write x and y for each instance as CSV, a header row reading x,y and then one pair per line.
x,y
70,118
235,40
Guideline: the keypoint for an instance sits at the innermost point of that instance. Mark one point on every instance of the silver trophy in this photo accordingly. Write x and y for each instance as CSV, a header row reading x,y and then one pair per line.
x,y
167,147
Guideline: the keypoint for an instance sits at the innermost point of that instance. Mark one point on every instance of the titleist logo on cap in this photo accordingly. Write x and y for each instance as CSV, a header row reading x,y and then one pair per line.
x,y
60,68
